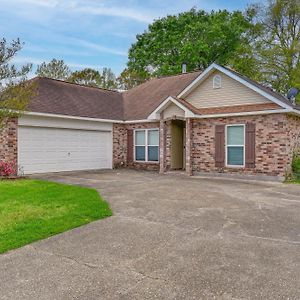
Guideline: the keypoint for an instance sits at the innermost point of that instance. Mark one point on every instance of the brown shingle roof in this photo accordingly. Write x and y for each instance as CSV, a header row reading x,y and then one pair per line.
x,y
140,101
63,98
237,108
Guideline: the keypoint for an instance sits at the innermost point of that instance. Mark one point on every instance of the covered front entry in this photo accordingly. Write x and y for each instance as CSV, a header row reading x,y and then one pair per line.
x,y
177,145
175,140
175,135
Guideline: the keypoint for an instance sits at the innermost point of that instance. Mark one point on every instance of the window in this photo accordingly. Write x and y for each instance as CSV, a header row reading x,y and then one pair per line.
x,y
217,82
235,145
146,144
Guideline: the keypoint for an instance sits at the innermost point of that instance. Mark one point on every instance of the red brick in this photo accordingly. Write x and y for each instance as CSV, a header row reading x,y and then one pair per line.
x,y
9,141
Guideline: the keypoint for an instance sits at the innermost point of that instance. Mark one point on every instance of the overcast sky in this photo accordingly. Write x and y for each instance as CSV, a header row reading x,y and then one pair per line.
x,y
88,33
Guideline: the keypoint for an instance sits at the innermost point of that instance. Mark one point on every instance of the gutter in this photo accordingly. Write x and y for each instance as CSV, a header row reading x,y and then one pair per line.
x,y
265,112
27,113
250,113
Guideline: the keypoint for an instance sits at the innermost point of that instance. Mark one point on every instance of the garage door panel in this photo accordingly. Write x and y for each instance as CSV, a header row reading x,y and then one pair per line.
x,y
54,150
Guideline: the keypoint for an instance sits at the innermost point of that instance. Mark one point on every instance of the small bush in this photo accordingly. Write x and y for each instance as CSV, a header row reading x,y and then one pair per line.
x,y
296,166
8,169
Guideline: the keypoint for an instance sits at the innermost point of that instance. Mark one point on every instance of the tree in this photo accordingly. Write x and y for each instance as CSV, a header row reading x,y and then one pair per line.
x,y
108,79
105,79
15,91
56,69
278,46
245,59
129,79
196,38
88,76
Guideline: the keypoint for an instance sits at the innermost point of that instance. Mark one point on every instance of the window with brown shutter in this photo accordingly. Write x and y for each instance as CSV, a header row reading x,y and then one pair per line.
x,y
250,145
129,146
220,146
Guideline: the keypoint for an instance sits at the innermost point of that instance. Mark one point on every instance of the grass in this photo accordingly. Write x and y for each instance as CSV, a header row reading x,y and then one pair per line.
x,y
295,181
31,210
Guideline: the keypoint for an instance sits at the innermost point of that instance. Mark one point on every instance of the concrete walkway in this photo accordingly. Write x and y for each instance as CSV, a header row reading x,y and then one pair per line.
x,y
171,237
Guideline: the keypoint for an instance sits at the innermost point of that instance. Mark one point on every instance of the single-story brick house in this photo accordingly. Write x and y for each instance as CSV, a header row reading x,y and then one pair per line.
x,y
215,121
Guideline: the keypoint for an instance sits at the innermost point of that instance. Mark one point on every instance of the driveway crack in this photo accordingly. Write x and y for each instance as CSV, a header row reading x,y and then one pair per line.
x,y
79,262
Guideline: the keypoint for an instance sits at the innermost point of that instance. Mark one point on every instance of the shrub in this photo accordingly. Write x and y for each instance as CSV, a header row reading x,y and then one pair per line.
x,y
296,166
8,169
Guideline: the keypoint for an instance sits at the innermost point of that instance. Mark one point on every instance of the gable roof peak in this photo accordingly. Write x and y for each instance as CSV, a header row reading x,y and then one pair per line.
x,y
246,81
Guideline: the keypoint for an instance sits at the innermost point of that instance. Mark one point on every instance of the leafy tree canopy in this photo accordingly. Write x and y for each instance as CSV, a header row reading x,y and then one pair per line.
x,y
129,79
15,91
105,79
89,77
278,44
196,38
56,69
109,80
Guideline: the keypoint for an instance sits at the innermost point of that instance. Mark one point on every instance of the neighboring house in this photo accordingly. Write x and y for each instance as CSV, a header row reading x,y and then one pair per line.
x,y
211,121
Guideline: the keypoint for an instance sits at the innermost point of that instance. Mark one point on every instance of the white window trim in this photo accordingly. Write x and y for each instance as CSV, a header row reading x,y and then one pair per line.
x,y
215,78
146,145
244,146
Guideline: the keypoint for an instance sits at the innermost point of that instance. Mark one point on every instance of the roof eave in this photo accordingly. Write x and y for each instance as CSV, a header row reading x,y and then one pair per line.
x,y
248,113
155,115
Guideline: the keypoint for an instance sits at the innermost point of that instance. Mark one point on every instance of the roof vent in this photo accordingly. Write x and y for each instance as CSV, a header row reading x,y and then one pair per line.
x,y
292,94
183,68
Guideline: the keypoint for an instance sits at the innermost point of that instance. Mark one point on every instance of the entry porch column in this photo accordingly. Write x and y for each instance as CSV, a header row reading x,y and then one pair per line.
x,y
188,147
162,146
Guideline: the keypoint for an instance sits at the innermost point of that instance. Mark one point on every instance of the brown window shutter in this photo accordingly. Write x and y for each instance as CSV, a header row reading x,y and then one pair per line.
x,y
129,146
220,146
250,145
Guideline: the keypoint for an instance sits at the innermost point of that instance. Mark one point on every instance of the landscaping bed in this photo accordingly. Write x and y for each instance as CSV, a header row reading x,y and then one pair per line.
x,y
31,210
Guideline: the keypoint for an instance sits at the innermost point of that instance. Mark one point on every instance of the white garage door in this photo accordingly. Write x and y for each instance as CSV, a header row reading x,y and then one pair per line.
x,y
44,150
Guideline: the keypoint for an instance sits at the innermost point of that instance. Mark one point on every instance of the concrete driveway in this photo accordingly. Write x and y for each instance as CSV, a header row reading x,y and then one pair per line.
x,y
171,237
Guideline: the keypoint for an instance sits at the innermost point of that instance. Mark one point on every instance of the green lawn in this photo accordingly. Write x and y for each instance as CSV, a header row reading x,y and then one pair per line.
x,y
31,210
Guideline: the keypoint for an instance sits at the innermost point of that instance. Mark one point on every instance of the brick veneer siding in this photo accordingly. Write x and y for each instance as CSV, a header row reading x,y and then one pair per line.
x,y
276,137
168,144
9,141
293,137
120,146
188,147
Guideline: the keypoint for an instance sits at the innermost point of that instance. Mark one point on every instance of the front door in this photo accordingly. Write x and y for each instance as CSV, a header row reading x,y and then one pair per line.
x,y
177,145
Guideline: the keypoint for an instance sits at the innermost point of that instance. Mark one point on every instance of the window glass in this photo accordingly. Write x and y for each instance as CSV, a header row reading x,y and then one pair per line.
x,y
235,156
147,145
153,153
140,137
235,135
153,139
140,153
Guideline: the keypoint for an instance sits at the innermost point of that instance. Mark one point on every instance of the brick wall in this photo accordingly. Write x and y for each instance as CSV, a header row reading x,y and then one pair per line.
x,y
168,141
120,146
8,141
294,138
276,137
